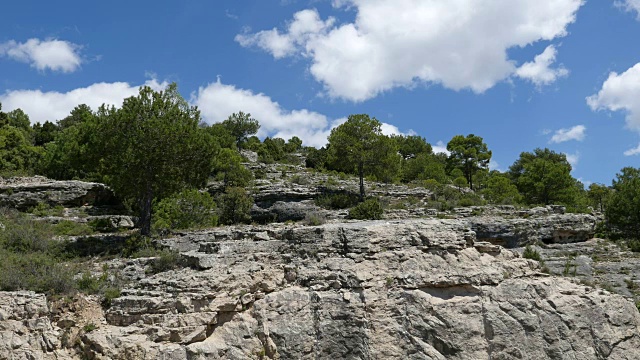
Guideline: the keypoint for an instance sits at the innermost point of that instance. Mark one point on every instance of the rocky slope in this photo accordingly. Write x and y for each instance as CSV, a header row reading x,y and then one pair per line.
x,y
414,286
419,289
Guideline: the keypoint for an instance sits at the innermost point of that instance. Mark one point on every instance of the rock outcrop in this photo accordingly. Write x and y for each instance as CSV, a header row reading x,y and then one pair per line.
x,y
405,289
24,193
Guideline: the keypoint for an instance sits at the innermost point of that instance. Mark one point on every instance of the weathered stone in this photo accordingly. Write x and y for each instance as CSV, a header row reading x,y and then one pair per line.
x,y
23,193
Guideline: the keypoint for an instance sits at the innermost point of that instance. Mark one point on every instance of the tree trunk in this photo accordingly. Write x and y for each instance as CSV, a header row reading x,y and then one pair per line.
x,y
361,174
145,213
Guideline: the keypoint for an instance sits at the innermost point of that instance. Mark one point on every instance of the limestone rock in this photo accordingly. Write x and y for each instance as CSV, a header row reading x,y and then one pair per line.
x,y
23,193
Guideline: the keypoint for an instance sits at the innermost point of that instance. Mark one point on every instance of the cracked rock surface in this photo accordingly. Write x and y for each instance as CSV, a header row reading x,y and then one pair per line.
x,y
391,289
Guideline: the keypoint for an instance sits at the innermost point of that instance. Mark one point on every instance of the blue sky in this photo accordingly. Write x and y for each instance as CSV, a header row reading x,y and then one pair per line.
x,y
563,74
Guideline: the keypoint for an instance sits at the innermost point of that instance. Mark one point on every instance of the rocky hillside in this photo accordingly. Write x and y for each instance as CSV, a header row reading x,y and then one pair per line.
x,y
420,284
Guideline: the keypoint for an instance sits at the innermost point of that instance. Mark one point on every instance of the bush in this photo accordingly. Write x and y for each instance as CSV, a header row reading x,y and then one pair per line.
x,y
235,206
634,245
370,209
72,228
109,294
470,199
315,218
185,210
39,271
341,200
531,253
22,234
166,260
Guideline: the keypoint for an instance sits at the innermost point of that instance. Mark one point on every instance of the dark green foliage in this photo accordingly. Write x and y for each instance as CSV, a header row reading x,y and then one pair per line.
x,y
185,210
411,146
469,154
315,158
598,196
228,168
272,150
152,148
623,208
44,133
235,206
470,199
543,177
75,153
634,245
17,155
221,136
241,126
338,200
370,209
500,190
293,145
358,147
423,167
531,253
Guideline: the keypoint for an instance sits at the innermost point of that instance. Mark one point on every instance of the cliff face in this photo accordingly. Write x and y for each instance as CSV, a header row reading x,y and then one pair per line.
x,y
417,289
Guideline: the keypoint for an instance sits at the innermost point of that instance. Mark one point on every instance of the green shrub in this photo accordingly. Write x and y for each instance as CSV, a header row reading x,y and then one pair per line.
x,y
299,179
235,206
186,210
370,209
21,233
109,293
315,218
166,260
38,271
634,245
90,284
341,200
470,199
531,253
72,228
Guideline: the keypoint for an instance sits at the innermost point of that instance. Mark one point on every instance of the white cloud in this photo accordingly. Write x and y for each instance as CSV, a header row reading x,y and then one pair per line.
x,y
620,92
53,105
401,43
217,101
52,54
634,151
539,71
575,133
440,147
573,159
305,25
630,6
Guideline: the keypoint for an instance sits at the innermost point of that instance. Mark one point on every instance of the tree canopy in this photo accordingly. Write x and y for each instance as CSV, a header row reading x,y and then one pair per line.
x,y
623,208
241,126
358,146
469,154
153,148
543,177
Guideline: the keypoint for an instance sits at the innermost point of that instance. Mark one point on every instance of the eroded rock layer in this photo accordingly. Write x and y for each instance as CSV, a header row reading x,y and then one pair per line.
x,y
401,289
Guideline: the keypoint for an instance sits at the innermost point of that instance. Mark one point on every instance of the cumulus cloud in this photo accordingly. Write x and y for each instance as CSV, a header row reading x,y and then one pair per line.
x,y
217,101
306,24
575,133
539,70
573,158
52,105
630,6
634,151
620,92
401,43
52,54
